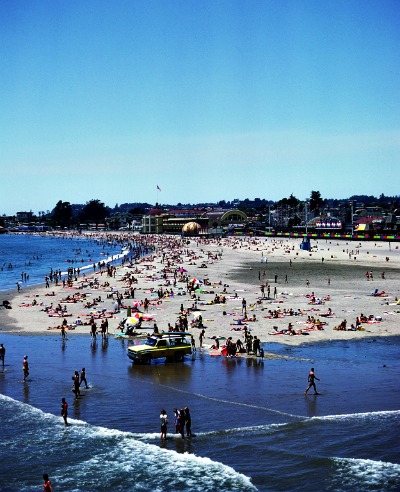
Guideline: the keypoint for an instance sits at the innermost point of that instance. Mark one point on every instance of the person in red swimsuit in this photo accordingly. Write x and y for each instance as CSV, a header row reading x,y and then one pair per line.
x,y
47,484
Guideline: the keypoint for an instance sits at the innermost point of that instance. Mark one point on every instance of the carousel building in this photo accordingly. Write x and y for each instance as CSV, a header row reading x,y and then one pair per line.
x,y
214,222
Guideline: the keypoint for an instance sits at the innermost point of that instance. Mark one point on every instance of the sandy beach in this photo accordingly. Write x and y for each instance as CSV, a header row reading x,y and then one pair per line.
x,y
310,292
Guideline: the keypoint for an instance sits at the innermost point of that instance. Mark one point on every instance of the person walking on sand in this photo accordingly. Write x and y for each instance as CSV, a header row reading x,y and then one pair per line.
x,y
63,333
164,422
311,382
25,367
64,410
244,305
201,338
193,343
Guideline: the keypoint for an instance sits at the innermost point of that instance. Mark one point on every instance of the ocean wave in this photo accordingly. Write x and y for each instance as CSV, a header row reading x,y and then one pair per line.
x,y
360,415
94,458
237,431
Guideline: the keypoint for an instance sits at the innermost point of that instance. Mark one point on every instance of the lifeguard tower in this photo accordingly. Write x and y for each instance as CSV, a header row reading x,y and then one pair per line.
x,y
305,244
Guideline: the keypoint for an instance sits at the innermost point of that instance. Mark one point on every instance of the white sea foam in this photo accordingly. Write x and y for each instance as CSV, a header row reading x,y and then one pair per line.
x,y
148,466
361,415
360,474
235,430
107,260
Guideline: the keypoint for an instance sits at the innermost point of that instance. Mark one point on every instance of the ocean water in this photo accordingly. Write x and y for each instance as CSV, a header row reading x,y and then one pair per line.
x,y
36,255
253,427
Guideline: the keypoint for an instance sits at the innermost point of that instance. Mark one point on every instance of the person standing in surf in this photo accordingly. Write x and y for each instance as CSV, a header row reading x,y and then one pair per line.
x,y
2,353
181,422
64,410
164,421
188,422
311,382
47,484
25,367
76,390
83,378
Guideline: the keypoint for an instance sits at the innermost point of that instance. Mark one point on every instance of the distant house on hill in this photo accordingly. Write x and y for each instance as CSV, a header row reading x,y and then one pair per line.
x,y
25,216
368,224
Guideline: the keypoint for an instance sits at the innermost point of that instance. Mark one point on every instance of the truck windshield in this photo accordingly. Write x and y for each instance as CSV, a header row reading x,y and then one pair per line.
x,y
151,342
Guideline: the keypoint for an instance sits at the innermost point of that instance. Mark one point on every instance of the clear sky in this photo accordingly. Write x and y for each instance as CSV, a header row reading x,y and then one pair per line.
x,y
208,99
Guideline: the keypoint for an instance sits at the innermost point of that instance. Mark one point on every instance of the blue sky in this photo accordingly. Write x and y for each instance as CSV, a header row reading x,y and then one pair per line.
x,y
209,100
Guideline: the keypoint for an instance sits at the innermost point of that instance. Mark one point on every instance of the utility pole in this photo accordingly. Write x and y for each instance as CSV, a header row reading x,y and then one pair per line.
x,y
352,219
306,220
269,218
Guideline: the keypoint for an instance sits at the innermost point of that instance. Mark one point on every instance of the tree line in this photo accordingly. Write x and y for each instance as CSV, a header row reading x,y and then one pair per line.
x,y
94,211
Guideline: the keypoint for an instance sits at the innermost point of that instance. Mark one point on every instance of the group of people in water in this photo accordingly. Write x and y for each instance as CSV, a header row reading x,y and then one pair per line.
x,y
182,422
77,382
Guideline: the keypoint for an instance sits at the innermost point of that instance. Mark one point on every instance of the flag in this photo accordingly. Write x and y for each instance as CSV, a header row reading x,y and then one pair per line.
x,y
158,188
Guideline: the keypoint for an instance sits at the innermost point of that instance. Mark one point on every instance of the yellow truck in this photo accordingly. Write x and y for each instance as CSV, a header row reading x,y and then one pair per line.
x,y
171,346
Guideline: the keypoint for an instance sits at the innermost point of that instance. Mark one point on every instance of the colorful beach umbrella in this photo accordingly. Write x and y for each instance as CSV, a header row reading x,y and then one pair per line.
x,y
195,281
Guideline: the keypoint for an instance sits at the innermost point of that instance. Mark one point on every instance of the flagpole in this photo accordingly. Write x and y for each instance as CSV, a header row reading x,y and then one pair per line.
x,y
158,191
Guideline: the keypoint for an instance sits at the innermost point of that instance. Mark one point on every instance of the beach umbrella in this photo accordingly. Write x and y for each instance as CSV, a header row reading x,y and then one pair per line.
x,y
136,304
134,319
195,281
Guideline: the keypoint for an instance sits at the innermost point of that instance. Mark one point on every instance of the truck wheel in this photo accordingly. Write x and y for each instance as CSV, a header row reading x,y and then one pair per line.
x,y
178,356
146,359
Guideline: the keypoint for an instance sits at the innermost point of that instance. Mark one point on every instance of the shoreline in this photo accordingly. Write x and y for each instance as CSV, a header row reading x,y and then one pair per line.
x,y
230,265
